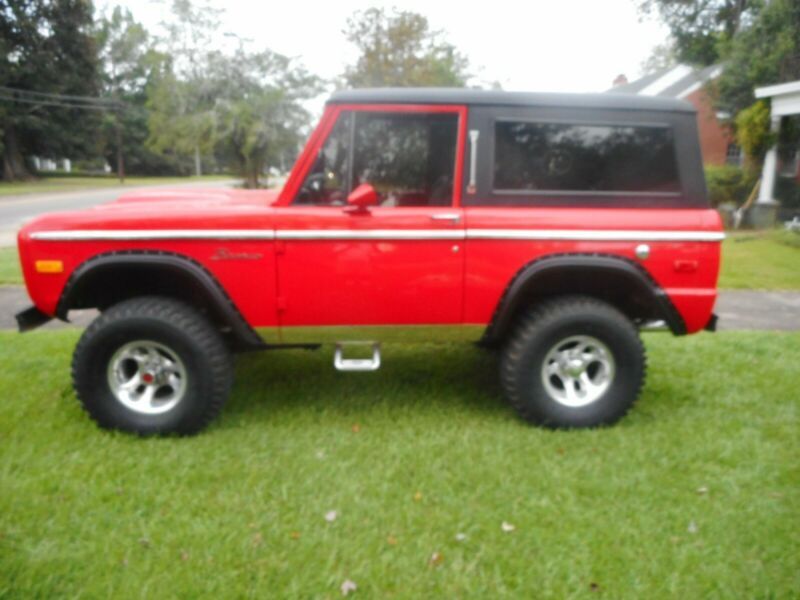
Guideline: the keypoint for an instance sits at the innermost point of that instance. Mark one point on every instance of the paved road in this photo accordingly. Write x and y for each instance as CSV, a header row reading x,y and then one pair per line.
x,y
742,310
16,210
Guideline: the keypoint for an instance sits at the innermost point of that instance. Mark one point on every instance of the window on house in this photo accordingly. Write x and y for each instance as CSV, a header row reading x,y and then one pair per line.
x,y
593,159
733,155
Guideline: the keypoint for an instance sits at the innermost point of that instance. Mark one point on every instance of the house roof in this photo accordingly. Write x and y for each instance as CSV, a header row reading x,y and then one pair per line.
x,y
674,82
502,98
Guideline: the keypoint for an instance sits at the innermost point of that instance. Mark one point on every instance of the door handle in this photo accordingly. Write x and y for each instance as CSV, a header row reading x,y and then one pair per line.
x,y
452,217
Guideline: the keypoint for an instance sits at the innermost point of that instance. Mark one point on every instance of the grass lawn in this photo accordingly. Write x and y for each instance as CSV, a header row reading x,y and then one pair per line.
x,y
767,260
694,495
75,183
10,272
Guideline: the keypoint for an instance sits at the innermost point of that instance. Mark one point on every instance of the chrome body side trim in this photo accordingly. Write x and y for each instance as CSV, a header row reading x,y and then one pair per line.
x,y
154,234
370,234
609,235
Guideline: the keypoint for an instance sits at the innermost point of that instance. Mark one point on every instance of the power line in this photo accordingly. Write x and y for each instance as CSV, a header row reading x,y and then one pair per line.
x,y
59,100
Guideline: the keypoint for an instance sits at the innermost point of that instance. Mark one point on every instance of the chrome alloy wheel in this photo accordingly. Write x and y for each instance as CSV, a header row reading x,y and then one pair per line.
x,y
147,377
578,370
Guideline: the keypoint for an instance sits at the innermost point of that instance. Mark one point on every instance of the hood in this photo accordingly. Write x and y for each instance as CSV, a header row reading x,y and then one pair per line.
x,y
208,196
169,209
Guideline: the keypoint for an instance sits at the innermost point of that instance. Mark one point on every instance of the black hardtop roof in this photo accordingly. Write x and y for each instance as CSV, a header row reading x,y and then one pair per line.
x,y
501,98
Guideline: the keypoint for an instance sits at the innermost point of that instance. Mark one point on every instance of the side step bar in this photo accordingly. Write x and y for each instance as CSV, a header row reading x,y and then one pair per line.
x,y
357,364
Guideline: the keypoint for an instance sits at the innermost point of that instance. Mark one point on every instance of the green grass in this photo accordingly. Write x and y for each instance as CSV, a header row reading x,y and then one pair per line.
x,y
77,183
767,260
239,510
10,272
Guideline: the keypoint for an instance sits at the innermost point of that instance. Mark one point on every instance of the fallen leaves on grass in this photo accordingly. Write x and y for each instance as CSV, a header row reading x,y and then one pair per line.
x,y
356,428
436,559
702,490
417,496
507,527
331,516
348,586
461,537
391,540
692,528
295,535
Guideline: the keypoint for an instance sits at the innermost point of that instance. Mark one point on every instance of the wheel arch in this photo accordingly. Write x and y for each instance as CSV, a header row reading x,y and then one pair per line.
x,y
614,279
109,278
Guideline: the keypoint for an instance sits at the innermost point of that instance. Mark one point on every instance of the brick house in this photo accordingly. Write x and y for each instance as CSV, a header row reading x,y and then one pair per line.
x,y
687,83
716,138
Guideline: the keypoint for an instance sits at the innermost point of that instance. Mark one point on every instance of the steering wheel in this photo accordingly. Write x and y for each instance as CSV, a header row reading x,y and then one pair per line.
x,y
313,188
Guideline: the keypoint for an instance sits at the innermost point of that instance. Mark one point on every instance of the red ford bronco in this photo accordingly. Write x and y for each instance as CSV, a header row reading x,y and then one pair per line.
x,y
552,227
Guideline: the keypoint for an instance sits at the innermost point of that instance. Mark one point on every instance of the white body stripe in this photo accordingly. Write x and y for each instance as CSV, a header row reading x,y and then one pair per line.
x,y
370,234
600,235
155,234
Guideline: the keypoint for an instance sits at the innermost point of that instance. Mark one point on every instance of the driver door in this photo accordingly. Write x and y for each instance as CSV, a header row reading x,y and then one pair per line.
x,y
396,264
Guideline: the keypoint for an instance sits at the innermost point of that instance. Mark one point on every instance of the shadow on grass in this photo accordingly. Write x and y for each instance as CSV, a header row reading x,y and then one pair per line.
x,y
426,377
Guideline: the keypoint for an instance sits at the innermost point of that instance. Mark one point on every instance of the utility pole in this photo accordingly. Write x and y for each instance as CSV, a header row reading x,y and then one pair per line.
x,y
120,156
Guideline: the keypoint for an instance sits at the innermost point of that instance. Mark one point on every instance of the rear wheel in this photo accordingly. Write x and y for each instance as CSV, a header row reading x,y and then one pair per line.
x,y
573,362
152,365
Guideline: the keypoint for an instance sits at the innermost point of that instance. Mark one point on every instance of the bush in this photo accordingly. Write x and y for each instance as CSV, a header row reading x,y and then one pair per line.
x,y
728,184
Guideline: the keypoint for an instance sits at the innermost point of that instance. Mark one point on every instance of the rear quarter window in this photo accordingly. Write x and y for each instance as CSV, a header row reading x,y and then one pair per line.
x,y
584,158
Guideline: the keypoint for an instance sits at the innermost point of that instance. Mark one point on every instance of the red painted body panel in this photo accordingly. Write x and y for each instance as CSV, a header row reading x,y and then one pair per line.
x,y
308,282
490,264
369,282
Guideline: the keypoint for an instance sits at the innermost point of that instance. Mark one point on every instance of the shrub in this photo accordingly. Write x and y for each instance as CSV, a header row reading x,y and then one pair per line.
x,y
728,184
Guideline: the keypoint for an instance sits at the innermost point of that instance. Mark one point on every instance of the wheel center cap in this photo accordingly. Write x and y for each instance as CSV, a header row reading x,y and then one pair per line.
x,y
574,367
148,378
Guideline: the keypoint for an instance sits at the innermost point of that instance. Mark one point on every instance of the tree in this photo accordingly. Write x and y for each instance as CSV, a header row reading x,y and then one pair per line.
x,y
46,47
130,65
700,29
764,53
180,100
400,49
259,112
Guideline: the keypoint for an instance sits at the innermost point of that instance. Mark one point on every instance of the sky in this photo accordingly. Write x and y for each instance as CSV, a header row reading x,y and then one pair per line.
x,y
527,45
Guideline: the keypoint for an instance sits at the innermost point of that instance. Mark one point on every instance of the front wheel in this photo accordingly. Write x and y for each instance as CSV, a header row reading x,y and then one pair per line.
x,y
573,362
152,365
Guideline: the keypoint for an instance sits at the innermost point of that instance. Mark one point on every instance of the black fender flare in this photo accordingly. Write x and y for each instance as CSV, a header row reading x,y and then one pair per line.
x,y
619,266
244,336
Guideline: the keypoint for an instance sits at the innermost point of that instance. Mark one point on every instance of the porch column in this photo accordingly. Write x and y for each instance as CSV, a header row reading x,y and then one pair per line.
x,y
770,167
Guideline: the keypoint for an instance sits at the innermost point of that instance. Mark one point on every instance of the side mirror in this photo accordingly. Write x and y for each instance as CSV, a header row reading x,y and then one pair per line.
x,y
361,198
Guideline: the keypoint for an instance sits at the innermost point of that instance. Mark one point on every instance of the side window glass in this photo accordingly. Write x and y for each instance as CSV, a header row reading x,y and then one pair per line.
x,y
326,182
561,157
409,158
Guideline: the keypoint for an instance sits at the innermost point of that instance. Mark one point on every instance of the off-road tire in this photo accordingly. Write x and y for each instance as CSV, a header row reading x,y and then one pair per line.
x,y
540,330
169,323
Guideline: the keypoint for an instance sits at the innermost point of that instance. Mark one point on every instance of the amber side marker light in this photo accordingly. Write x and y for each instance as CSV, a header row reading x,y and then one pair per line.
x,y
49,266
